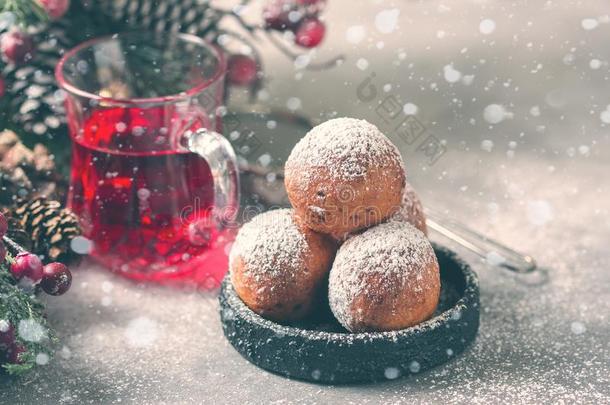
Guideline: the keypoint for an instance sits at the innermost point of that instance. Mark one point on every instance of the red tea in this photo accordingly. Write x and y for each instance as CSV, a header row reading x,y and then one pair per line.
x,y
145,205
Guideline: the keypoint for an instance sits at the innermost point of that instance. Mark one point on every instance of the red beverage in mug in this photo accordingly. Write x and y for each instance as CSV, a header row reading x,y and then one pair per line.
x,y
154,187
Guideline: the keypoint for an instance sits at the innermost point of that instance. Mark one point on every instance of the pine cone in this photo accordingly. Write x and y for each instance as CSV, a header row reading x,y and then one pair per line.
x,y
34,103
26,173
16,231
51,228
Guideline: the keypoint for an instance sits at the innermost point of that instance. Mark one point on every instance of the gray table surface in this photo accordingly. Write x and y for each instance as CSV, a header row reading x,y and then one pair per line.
x,y
537,180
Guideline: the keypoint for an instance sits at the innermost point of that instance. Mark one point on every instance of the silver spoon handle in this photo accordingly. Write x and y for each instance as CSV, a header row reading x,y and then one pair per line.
x,y
491,250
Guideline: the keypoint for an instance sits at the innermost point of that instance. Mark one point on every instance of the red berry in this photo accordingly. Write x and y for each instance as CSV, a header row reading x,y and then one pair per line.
x,y
14,354
276,14
310,33
2,87
55,8
241,70
8,348
27,265
17,47
3,225
56,279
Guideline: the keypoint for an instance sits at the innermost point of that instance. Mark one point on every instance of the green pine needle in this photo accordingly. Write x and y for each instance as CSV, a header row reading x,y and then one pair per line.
x,y
26,12
22,309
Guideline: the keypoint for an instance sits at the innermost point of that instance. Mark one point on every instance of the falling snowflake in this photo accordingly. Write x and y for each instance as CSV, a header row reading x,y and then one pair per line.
x,y
31,331
293,103
391,373
487,145
589,23
414,367
578,328
81,245
451,75
496,113
535,111
539,212
65,352
264,159
487,26
410,109
355,34
387,20
605,115
467,79
4,325
42,359
362,64
141,332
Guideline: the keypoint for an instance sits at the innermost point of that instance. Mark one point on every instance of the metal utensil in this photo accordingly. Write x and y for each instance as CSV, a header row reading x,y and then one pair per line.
x,y
489,249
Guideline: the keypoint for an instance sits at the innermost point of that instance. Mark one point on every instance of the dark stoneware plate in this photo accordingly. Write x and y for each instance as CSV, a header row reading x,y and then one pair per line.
x,y
320,350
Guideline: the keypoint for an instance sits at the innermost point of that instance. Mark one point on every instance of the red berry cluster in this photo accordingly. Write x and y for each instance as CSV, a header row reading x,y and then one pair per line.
x,y
299,16
54,278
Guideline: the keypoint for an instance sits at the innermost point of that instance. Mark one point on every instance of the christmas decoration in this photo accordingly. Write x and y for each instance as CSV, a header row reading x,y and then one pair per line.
x,y
283,15
56,279
310,33
55,8
28,266
25,336
27,178
242,70
15,230
27,173
51,228
38,32
34,148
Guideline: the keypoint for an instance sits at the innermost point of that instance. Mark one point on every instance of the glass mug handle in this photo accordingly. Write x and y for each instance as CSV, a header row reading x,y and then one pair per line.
x,y
216,150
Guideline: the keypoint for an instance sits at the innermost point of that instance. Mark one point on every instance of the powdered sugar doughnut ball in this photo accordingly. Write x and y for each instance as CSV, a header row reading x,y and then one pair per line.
x,y
386,278
411,210
343,176
278,267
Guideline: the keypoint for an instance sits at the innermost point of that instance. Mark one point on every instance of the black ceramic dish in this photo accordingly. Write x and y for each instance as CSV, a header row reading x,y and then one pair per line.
x,y
320,350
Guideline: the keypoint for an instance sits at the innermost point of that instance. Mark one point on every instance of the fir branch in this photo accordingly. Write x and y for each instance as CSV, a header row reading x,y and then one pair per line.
x,y
20,307
26,12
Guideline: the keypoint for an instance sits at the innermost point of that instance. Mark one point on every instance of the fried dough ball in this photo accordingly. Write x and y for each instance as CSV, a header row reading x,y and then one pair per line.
x,y
278,267
411,210
344,176
386,278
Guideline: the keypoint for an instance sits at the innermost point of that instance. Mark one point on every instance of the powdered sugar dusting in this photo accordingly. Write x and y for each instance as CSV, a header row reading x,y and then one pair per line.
x,y
411,209
346,147
396,252
270,243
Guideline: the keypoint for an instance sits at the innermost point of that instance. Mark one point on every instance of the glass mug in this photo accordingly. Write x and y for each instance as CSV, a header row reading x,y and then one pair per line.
x,y
155,187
